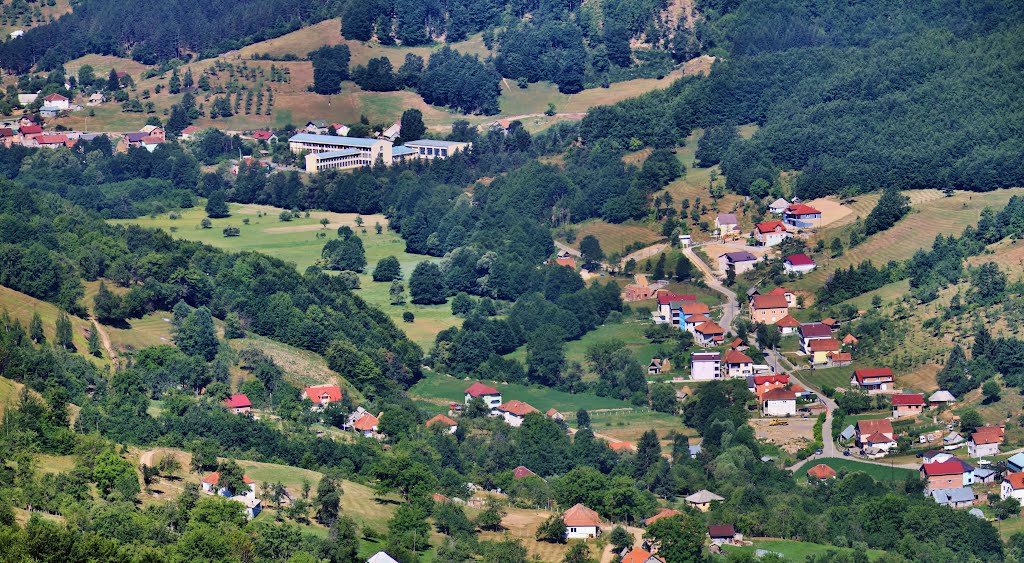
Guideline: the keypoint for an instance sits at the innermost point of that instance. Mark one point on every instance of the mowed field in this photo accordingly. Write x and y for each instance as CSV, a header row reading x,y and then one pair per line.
x,y
795,550
931,215
614,238
877,472
296,241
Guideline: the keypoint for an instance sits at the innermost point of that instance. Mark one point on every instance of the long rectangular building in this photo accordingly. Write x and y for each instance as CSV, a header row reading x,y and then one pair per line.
x,y
331,152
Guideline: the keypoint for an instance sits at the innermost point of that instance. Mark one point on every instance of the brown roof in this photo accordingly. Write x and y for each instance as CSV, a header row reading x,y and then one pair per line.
x,y
737,357
621,446
366,423
441,419
709,328
823,345
778,394
769,301
580,515
987,435
850,339
695,308
698,319
872,426
815,330
522,471
663,513
821,471
788,320
517,407
840,356
721,530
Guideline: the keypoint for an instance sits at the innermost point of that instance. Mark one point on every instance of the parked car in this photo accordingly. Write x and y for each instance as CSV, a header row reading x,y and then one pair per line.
x,y
846,453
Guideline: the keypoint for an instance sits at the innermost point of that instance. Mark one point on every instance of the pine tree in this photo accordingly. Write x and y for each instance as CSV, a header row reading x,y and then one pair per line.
x,y
35,328
64,338
94,341
174,84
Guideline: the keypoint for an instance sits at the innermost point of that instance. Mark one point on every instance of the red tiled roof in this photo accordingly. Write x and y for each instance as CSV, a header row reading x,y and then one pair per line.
x,y
521,472
552,412
55,97
237,401
637,555
737,357
737,342
872,373
874,426
770,226
877,438
811,330
568,261
1016,480
6,132
214,478
840,356
314,393
666,297
709,328
821,471
621,446
695,309
829,321
262,135
52,139
779,291
788,320
663,513
580,515
698,319
441,419
366,423
763,379
721,530
30,129
908,399
769,301
799,260
189,130
479,389
801,209
823,345
987,435
517,408
948,467
778,394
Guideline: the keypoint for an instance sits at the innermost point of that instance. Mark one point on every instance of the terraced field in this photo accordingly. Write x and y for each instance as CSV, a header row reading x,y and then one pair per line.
x,y
614,238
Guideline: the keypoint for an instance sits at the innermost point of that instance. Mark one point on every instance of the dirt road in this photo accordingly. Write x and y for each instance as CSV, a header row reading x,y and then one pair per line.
x,y
731,306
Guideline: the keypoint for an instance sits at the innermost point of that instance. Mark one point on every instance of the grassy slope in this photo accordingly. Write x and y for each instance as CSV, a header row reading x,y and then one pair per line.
x,y
301,367
21,307
795,550
9,391
878,472
296,242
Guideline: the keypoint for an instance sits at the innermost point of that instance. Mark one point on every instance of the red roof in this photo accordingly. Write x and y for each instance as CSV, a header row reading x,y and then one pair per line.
x,y
663,513
821,471
568,261
948,467
479,389
6,132
763,379
801,209
30,130
189,130
637,555
872,373
214,478
580,515
780,291
799,260
441,419
709,328
840,356
52,139
698,319
736,343
1016,480
769,301
788,320
621,446
770,227
239,401
517,408
850,339
737,357
262,135
987,435
695,309
665,297
521,472
778,394
333,393
55,97
366,423
823,345
874,426
721,530
908,399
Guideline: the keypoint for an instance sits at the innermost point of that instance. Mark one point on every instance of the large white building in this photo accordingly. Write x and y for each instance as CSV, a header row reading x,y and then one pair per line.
x,y
331,152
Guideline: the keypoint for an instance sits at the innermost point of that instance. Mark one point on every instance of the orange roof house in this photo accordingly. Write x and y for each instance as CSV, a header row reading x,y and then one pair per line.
x,y
621,446
322,395
522,472
821,472
768,308
580,515
442,421
663,513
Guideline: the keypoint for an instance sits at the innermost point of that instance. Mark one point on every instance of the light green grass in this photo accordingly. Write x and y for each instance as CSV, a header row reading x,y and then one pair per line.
x,y
796,550
296,242
877,472
442,389
830,377
631,333
301,367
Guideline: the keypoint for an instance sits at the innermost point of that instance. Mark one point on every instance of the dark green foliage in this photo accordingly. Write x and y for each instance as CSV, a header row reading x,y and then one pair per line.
x,y
196,336
426,284
714,144
551,530
330,67
459,81
387,269
891,207
216,205
93,344
550,50
327,502
357,20
345,253
376,76
545,354
412,125
107,306
35,329
590,249
677,538
64,338
660,168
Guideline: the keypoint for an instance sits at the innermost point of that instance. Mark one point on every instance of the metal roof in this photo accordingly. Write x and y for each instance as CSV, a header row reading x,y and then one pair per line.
x,y
334,140
342,152
432,143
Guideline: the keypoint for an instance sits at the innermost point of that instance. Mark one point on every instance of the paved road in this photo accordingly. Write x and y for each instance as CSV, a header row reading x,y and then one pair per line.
x,y
731,306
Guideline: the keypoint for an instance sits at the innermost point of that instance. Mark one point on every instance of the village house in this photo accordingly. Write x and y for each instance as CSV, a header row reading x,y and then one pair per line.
x,y
948,474
317,127
760,384
705,366
515,411
850,340
739,262
702,499
555,415
51,141
839,359
801,216
567,262
688,311
658,365
29,133
789,295
985,475
727,224
443,422
768,309
639,290
962,497
876,433
667,313
522,472
25,100
778,206
738,364
984,441
322,395
663,513
340,129
907,404
722,534
1016,463
392,132
640,555
770,233
1013,486
622,446
57,101
265,136
189,133
367,425
490,395
831,323
941,398
238,403
96,99
821,349
381,557
210,486
873,380
7,137
810,332
709,334
798,264
778,402
693,321
581,523
787,324
821,472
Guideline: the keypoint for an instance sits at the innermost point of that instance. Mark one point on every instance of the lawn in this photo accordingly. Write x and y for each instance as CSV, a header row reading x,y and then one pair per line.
x,y
614,238
296,241
301,367
877,472
830,377
21,307
796,550
631,333
442,389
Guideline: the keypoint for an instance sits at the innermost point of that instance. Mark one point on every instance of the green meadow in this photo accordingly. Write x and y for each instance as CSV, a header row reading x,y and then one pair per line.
x,y
877,472
300,242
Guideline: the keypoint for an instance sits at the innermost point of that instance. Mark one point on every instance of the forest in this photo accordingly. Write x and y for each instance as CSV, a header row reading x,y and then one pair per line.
x,y
856,97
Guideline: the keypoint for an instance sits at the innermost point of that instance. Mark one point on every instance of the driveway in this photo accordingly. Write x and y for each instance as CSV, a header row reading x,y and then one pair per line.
x,y
731,306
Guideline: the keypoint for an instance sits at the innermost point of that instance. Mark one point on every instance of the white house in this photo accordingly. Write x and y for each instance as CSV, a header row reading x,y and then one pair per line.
x,y
705,366
490,395
17,33
581,523
778,402
515,411
210,486
738,364
798,264
984,442
57,101
727,224
778,206
1013,486
442,421
771,233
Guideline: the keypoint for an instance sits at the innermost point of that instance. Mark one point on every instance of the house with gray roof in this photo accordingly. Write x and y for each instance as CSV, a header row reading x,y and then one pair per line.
x,y
954,498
